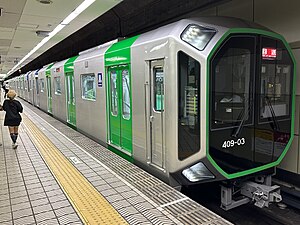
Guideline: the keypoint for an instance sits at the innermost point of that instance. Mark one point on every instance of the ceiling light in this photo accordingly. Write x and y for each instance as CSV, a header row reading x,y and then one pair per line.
x,y
1,11
42,33
46,2
77,11
84,5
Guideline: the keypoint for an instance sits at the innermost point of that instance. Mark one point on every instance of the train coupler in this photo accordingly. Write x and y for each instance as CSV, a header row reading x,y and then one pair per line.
x,y
262,193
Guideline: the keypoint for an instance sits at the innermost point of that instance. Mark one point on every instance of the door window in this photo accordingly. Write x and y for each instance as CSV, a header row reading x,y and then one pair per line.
x,y
49,92
37,86
126,94
73,90
42,85
158,88
114,92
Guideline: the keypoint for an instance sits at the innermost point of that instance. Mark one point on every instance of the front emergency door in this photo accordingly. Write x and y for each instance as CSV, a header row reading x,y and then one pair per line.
x,y
119,93
157,113
49,95
70,90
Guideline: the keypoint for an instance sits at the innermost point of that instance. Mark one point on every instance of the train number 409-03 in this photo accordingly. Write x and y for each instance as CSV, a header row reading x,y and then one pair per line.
x,y
232,143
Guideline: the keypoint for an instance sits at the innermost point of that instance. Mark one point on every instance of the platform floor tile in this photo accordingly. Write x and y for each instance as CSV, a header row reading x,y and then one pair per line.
x,y
137,196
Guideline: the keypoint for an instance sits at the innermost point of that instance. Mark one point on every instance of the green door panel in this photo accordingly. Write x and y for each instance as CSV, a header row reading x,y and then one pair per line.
x,y
117,64
70,91
49,90
125,107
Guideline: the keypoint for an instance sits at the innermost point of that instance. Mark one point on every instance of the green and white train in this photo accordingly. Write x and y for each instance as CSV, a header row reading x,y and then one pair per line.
x,y
198,100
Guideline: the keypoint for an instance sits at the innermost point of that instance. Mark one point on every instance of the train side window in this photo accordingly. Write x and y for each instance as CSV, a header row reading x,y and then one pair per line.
x,y
57,86
42,85
126,94
188,106
114,92
88,86
158,89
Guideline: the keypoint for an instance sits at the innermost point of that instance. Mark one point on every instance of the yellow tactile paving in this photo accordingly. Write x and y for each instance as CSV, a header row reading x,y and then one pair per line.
x,y
91,206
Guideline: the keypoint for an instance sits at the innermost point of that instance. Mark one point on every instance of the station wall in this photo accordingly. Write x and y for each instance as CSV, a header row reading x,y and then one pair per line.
x,y
282,17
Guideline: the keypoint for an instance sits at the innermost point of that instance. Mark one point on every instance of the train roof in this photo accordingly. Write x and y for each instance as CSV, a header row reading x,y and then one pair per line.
x,y
229,22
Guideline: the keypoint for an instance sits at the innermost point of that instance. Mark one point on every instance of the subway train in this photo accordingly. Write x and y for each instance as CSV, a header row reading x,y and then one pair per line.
x,y
195,101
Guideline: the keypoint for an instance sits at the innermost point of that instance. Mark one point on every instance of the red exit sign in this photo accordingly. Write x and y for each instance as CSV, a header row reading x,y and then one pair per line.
x,y
269,53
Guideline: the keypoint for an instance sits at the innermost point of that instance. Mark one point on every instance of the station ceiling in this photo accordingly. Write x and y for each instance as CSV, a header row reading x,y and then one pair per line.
x,y
103,21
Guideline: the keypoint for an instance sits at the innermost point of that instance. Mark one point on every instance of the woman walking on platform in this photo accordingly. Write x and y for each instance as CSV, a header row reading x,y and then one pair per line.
x,y
12,118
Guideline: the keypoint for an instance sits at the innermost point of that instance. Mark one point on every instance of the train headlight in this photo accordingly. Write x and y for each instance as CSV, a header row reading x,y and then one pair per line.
x,y
197,36
197,172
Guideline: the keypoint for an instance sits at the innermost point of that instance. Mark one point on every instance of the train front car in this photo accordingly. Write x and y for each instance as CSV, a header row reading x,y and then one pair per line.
x,y
249,112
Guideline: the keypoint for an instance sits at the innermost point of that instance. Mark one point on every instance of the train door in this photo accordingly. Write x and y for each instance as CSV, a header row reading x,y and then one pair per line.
x,y
70,95
119,94
49,94
156,113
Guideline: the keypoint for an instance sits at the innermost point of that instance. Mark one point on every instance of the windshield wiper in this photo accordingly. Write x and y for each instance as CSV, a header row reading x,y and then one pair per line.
x,y
274,118
245,116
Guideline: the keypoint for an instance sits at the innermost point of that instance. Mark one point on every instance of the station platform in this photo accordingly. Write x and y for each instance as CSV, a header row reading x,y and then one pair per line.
x,y
59,176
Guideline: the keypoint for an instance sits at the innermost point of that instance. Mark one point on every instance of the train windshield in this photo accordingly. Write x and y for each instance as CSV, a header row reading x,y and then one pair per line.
x,y
251,80
232,82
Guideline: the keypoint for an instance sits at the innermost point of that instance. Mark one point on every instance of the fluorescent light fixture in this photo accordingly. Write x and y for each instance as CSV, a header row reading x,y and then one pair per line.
x,y
77,11
83,6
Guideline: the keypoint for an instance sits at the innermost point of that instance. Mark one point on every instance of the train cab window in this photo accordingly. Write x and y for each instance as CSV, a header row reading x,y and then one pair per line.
x,y
158,89
42,82
114,92
188,106
126,94
197,36
88,86
275,81
57,86
231,83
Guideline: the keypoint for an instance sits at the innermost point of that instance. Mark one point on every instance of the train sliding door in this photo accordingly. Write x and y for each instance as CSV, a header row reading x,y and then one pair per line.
x,y
156,113
119,91
70,95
